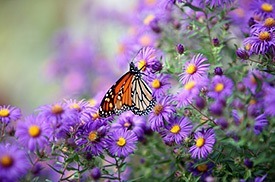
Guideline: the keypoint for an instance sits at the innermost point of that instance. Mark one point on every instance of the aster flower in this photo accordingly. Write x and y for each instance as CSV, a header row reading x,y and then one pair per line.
x,y
90,137
205,140
55,113
220,87
202,169
121,142
263,8
260,123
159,84
269,100
34,133
218,3
195,69
129,121
267,25
177,130
9,113
161,111
253,80
190,90
144,57
260,42
13,163
82,109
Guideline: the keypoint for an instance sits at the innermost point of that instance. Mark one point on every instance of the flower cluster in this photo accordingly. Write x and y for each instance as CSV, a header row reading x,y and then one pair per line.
x,y
213,109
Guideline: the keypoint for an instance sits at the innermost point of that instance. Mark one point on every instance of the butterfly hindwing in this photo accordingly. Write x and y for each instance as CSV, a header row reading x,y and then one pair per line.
x,y
141,97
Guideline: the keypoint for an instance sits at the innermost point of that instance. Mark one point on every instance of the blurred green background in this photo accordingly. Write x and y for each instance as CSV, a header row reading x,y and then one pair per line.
x,y
27,30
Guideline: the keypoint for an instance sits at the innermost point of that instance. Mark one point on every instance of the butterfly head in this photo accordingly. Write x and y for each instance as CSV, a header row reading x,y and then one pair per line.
x,y
133,68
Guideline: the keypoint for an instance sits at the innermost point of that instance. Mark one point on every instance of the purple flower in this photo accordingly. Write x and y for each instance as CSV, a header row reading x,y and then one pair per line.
x,y
269,100
121,142
190,90
90,137
203,170
195,69
260,179
218,3
13,163
205,140
177,130
145,57
9,113
55,113
260,42
263,8
243,54
220,87
253,79
95,173
82,109
159,84
34,133
267,25
260,123
161,111
129,121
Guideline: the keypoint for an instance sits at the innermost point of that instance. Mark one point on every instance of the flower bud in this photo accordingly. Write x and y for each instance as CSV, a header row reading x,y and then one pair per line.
x,y
215,42
95,173
243,54
180,48
200,102
248,163
218,71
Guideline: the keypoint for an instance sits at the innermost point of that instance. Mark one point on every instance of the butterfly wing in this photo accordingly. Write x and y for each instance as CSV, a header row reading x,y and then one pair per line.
x,y
118,97
142,100
130,92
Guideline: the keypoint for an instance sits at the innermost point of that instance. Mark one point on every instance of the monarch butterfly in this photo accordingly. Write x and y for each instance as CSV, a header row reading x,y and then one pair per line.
x,y
130,92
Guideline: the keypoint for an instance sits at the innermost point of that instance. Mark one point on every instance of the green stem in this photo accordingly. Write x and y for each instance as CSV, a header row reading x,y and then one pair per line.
x,y
208,119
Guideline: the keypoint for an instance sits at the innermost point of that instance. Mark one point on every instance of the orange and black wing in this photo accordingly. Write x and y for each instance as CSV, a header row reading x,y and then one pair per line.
x,y
118,97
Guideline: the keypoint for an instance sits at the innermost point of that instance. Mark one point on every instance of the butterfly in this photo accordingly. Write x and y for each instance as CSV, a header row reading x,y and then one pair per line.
x,y
130,92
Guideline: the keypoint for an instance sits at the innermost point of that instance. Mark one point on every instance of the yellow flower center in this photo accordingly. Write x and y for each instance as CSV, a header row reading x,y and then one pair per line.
x,y
267,7
247,46
92,136
189,85
158,108
202,167
150,2
269,22
156,83
34,131
6,161
57,109
200,142
219,87
252,102
75,106
127,124
4,112
92,102
191,69
175,129
95,116
121,142
264,35
147,20
145,40
142,64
